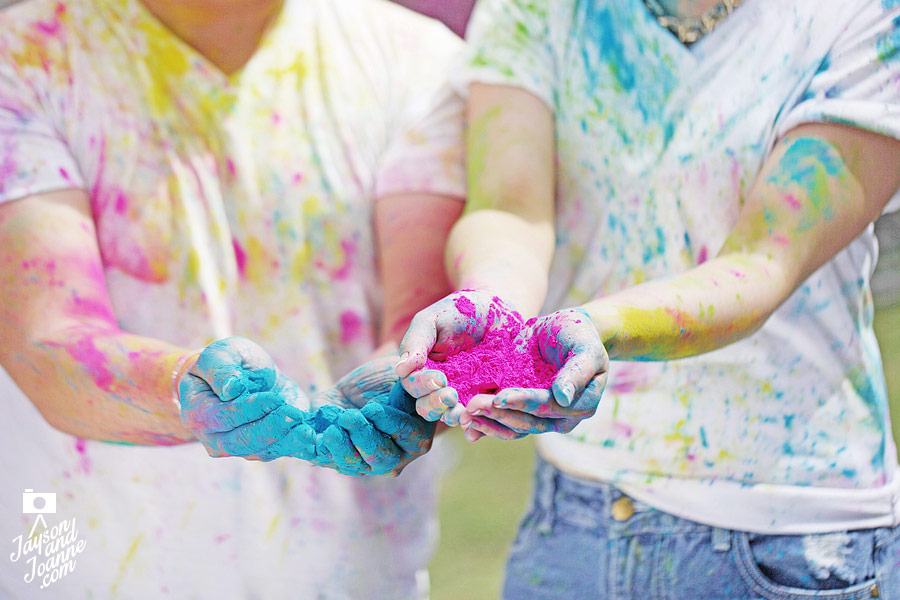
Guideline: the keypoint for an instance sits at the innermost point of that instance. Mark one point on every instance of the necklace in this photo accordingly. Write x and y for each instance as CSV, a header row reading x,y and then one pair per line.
x,y
690,29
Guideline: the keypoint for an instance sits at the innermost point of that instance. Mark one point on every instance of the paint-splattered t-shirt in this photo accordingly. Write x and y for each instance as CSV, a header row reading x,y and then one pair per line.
x,y
657,143
227,205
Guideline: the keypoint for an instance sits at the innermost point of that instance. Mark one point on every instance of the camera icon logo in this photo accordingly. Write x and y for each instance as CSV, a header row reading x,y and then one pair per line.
x,y
38,503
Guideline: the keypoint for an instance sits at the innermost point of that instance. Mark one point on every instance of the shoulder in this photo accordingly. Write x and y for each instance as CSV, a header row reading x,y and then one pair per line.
x,y
36,36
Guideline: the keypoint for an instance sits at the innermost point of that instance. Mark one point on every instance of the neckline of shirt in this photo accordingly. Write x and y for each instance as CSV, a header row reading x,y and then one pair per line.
x,y
134,12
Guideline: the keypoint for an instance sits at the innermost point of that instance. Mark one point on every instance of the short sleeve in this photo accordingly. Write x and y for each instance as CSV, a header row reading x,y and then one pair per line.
x,y
858,82
425,151
510,44
34,158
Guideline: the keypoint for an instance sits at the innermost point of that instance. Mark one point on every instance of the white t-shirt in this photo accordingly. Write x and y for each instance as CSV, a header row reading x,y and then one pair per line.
x,y
226,205
786,431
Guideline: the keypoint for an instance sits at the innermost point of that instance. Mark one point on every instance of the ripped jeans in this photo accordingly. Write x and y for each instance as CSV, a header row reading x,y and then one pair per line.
x,y
587,540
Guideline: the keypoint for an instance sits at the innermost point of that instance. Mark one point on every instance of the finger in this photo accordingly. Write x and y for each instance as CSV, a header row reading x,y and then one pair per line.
x,y
235,366
530,400
299,442
493,429
433,406
577,372
410,433
424,382
343,452
253,438
589,399
472,435
369,382
192,392
519,422
204,412
376,448
398,398
417,342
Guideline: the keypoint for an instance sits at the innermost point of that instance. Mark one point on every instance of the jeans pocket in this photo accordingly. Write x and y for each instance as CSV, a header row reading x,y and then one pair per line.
x,y
527,530
838,566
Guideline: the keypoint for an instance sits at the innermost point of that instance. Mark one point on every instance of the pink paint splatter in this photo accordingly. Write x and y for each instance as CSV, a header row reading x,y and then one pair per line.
x,y
81,447
121,203
349,248
240,257
86,353
622,429
702,257
51,28
499,361
792,201
351,326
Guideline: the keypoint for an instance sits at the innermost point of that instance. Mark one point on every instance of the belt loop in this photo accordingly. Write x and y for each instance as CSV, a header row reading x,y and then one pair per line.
x,y
721,540
546,490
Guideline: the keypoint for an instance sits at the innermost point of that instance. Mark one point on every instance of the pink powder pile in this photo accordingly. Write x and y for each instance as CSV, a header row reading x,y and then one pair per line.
x,y
497,362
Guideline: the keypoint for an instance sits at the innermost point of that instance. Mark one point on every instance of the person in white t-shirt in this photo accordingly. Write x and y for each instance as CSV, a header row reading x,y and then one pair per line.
x,y
172,175
700,181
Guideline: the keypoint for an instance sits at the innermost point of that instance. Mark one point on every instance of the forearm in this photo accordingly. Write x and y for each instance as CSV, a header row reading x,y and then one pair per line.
x,y
706,308
504,242
501,253
61,341
819,189
101,383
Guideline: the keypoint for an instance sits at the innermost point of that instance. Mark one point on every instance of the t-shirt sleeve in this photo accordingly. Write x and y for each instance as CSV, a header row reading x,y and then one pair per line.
x,y
510,44
34,158
424,152
858,82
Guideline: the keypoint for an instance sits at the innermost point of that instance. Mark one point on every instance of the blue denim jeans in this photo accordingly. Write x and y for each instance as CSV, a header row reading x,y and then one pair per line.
x,y
587,540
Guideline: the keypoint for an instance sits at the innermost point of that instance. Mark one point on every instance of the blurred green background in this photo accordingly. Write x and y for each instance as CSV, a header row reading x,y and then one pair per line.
x,y
484,497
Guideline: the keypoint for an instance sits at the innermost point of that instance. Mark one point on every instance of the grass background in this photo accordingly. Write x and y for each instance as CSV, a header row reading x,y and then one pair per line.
x,y
484,497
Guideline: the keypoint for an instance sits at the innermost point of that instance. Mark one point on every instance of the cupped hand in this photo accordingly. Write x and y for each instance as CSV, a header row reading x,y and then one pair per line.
x,y
568,340
455,323
237,402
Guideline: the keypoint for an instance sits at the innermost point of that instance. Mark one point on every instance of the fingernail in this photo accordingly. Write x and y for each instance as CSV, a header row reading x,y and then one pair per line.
x,y
434,386
448,401
477,412
470,435
403,358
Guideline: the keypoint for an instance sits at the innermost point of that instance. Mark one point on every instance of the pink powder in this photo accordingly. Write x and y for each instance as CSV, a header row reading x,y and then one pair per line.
x,y
498,362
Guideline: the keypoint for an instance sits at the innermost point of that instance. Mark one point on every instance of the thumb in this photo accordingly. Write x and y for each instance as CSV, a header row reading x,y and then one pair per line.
x,y
577,372
417,343
234,367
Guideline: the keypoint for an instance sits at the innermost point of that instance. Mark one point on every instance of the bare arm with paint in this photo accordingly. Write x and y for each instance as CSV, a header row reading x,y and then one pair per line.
x,y
821,186
502,248
61,343
504,242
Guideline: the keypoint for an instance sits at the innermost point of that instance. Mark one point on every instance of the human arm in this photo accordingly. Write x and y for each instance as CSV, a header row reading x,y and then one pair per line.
x,y
820,187
62,344
502,247
411,232
503,244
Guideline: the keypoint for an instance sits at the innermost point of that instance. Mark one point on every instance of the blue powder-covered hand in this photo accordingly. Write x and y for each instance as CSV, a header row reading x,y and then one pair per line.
x,y
382,436
238,403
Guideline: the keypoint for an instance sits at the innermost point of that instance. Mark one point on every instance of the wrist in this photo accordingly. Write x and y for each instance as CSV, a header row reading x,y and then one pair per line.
x,y
606,321
182,365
